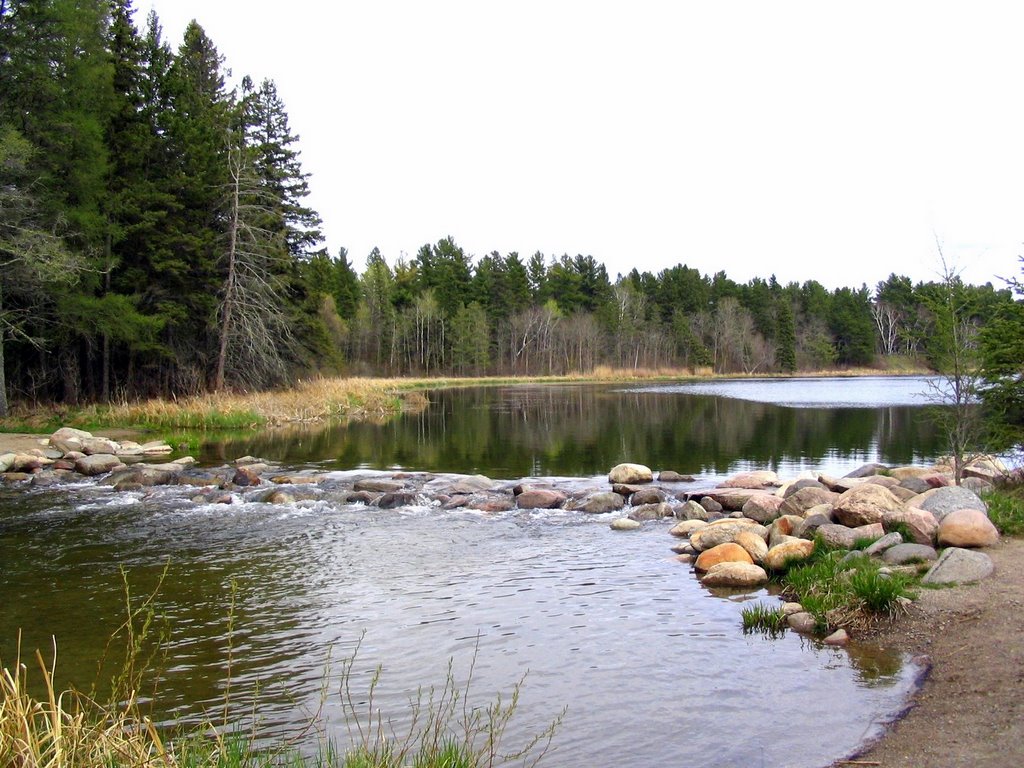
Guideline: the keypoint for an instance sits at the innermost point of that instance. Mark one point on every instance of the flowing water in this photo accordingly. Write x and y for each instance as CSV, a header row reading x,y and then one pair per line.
x,y
653,668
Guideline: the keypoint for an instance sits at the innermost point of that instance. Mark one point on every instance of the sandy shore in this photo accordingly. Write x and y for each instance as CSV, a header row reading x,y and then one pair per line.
x,y
970,710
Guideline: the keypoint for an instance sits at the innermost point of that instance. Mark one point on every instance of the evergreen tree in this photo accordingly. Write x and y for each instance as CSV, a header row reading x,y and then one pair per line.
x,y
785,335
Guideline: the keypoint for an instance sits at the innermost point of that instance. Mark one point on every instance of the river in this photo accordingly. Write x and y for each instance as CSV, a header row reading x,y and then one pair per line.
x,y
653,668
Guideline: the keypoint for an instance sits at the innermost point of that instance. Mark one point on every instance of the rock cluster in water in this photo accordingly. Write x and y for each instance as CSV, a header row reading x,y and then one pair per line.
x,y
734,534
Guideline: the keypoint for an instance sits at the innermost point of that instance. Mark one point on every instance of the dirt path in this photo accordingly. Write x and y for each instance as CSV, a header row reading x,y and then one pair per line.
x,y
970,711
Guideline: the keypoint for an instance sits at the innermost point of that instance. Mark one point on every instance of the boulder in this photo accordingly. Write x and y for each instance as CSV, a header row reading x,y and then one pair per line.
x,y
763,508
630,473
903,494
868,470
754,543
686,527
471,484
690,510
723,553
395,499
781,556
647,495
959,566
490,503
722,531
277,496
798,485
246,476
919,526
144,476
967,528
68,439
668,476
94,445
941,501
625,524
838,536
864,505
711,506
155,447
598,503
540,498
807,527
733,499
651,512
906,554
97,464
884,543
735,575
839,637
902,473
28,462
627,490
915,484
802,622
296,479
977,485
759,479
805,498
871,532
6,461
377,485
783,526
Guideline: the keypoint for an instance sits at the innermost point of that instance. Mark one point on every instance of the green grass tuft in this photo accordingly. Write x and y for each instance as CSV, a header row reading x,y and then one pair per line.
x,y
760,618
1006,510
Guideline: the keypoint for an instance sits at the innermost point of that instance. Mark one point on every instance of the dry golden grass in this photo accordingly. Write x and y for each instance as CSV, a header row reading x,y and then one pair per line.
x,y
68,730
325,399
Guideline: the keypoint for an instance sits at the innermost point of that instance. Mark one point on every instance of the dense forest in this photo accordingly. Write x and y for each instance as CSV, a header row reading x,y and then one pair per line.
x,y
154,240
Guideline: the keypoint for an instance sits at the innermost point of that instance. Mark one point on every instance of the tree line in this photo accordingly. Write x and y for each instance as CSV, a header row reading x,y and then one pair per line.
x,y
155,240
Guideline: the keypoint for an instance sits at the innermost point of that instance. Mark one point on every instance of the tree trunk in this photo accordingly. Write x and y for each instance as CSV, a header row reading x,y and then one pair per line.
x,y
3,376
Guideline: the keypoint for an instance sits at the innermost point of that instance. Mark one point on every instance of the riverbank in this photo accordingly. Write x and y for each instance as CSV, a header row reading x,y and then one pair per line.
x,y
323,400
969,711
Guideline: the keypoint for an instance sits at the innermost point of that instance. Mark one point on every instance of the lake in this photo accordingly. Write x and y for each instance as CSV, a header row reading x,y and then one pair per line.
x,y
653,668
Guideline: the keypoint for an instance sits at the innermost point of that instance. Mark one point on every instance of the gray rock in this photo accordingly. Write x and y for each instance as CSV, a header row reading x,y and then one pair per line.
x,y
97,464
884,543
630,473
710,505
395,499
668,476
686,527
277,496
471,484
599,503
804,499
959,566
144,475
915,484
246,476
650,512
647,496
864,505
977,484
799,485
838,536
763,508
540,498
625,524
869,469
904,554
691,510
377,485
805,528
801,622
942,501
839,637
732,499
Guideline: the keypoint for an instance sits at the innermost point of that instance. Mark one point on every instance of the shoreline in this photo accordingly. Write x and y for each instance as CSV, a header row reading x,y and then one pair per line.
x,y
968,711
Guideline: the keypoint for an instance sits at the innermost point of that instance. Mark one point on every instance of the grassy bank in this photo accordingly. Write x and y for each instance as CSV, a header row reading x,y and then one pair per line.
x,y
67,729
327,399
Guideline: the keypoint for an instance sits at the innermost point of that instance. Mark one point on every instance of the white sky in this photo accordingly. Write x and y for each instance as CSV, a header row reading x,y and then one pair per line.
x,y
809,139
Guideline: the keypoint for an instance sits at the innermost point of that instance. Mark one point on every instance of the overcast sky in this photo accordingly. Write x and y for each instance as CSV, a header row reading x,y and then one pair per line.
x,y
824,140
